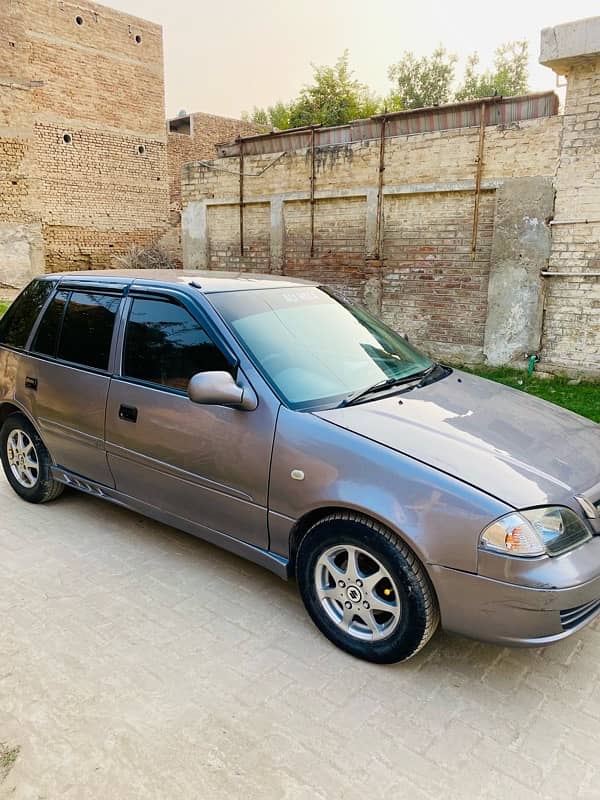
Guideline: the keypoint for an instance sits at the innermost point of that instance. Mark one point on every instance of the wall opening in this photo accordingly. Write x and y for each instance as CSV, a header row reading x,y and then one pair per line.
x,y
181,125
138,38
78,20
67,138
141,149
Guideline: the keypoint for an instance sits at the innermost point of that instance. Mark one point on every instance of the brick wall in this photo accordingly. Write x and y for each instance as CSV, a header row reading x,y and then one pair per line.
x,y
571,334
426,282
21,250
203,133
94,75
432,289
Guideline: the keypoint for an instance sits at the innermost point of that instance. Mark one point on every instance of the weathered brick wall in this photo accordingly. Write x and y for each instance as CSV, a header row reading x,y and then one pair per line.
x,y
340,230
432,288
426,281
21,251
100,194
94,76
572,320
205,131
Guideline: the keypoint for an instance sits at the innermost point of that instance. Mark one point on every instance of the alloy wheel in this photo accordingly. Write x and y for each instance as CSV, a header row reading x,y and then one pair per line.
x,y
357,592
23,458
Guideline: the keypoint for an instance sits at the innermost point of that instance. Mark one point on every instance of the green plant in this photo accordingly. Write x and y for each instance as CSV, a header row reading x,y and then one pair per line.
x,y
420,82
8,756
334,97
582,397
509,76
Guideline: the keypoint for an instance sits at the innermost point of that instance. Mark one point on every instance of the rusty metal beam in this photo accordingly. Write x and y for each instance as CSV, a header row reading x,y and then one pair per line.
x,y
379,221
478,174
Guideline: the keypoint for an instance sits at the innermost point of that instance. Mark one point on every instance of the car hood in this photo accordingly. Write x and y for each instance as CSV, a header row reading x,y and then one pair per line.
x,y
511,445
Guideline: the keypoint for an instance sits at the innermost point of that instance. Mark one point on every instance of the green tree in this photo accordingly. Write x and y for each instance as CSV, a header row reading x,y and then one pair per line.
x,y
421,82
258,115
509,77
279,116
276,116
333,98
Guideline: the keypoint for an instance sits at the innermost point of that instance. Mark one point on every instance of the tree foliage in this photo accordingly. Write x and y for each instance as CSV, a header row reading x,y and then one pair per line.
x,y
421,82
275,116
335,96
509,76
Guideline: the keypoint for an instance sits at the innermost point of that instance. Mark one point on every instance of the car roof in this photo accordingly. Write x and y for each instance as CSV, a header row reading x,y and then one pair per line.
x,y
206,282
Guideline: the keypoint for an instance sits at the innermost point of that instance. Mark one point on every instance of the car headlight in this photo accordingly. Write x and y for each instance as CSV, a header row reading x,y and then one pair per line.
x,y
536,532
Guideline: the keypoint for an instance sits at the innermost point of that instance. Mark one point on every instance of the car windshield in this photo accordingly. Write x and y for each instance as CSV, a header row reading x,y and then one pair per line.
x,y
313,348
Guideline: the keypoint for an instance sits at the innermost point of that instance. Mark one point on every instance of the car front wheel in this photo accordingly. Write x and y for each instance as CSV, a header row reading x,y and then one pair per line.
x,y
365,589
26,462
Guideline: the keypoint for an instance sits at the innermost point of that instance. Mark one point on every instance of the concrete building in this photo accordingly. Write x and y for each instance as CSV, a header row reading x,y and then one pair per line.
x,y
442,220
83,163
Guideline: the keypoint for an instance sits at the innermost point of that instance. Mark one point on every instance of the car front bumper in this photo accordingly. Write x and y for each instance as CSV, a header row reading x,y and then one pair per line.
x,y
496,611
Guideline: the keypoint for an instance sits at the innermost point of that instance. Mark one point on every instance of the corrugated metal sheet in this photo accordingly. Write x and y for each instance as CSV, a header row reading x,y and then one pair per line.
x,y
498,111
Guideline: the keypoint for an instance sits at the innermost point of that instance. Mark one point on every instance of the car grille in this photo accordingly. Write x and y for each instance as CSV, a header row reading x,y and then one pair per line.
x,y
571,617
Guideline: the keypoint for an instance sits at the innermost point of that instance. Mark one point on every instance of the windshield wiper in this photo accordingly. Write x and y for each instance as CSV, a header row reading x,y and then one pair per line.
x,y
388,383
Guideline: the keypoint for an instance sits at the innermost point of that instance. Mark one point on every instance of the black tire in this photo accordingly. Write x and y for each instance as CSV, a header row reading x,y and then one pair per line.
x,y
45,488
418,614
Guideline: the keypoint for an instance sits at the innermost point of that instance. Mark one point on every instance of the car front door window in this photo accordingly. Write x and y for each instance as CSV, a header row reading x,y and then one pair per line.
x,y
165,345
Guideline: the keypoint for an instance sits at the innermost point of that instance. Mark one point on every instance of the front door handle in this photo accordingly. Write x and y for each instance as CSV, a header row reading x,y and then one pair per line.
x,y
128,413
31,383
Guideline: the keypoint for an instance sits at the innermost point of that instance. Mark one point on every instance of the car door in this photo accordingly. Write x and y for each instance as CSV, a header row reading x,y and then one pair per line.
x,y
63,380
206,464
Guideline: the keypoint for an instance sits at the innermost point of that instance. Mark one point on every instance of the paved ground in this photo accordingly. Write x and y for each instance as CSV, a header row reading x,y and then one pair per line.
x,y
138,662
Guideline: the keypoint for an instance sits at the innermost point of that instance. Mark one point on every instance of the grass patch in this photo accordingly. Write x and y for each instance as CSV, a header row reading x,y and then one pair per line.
x,y
8,756
583,397
3,306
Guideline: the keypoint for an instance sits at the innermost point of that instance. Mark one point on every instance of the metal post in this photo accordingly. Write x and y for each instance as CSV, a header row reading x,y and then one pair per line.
x,y
241,197
478,181
312,193
379,221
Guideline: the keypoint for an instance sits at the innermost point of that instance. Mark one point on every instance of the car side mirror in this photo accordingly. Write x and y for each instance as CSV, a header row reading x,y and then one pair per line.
x,y
219,389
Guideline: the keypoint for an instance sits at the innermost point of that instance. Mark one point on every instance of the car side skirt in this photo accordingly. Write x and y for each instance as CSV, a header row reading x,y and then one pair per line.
x,y
264,558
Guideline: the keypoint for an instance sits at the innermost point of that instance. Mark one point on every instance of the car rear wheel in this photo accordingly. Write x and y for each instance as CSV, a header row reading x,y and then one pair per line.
x,y
26,462
365,589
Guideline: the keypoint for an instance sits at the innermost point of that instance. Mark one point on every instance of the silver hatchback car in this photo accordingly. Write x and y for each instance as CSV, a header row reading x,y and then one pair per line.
x,y
277,420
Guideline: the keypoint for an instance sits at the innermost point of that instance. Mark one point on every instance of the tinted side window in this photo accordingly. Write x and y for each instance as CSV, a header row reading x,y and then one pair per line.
x,y
87,329
46,338
164,344
18,321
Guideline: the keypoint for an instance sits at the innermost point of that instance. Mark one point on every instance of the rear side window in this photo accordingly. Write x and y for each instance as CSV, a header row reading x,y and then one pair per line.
x,y
16,324
46,338
87,329
165,345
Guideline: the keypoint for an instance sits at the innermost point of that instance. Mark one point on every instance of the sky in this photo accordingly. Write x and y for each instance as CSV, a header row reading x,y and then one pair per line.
x,y
225,58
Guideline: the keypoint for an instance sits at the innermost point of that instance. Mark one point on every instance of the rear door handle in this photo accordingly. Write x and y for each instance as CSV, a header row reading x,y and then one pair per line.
x,y
31,383
128,413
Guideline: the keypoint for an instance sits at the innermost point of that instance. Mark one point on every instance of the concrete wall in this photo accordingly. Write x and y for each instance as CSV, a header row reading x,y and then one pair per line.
x,y
418,271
